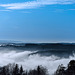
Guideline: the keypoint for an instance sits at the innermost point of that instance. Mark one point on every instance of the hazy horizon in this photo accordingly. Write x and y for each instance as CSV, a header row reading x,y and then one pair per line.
x,y
21,41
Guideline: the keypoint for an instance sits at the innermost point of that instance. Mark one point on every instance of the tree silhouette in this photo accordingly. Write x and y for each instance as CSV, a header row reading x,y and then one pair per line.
x,y
21,69
16,70
70,70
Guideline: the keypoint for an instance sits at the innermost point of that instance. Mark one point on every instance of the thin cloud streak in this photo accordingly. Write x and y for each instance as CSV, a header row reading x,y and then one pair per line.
x,y
5,10
35,4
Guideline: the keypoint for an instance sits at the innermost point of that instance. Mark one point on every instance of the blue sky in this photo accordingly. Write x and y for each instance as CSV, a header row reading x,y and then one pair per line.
x,y
37,20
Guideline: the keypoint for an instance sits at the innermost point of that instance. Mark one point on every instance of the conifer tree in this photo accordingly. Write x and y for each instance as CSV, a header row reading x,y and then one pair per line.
x,y
21,69
4,71
16,70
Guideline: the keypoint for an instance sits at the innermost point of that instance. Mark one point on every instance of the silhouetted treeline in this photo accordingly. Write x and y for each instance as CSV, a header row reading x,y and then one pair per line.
x,y
69,70
14,69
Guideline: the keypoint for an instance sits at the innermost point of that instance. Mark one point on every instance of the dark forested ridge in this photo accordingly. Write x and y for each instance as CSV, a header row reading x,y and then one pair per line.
x,y
41,46
14,69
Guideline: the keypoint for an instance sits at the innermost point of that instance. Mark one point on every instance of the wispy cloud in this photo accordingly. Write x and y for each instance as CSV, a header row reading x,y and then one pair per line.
x,y
35,4
5,10
24,5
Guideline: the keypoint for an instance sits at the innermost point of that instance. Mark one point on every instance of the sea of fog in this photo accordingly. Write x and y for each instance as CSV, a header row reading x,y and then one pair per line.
x,y
30,59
